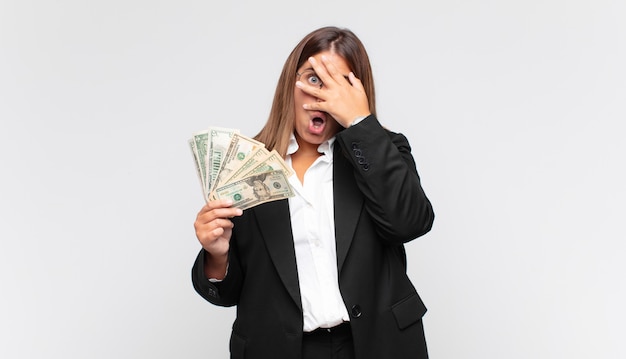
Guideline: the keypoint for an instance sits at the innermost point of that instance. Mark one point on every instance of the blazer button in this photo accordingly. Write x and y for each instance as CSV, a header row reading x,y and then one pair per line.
x,y
356,311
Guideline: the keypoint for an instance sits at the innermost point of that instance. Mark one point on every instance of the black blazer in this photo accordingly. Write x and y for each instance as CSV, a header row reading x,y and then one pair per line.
x,y
379,205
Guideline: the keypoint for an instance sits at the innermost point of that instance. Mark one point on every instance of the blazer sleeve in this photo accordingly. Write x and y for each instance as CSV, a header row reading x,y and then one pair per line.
x,y
386,175
224,293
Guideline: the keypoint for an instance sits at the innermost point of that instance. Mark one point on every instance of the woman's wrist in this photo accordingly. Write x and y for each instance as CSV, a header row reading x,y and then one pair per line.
x,y
215,266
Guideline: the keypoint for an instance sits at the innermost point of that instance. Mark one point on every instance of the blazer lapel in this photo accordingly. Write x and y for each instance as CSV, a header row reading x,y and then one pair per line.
x,y
279,240
348,204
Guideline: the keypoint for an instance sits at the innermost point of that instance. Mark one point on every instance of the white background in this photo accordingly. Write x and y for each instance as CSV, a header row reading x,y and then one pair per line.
x,y
514,109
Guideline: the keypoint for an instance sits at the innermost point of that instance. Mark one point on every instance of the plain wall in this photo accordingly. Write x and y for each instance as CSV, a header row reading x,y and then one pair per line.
x,y
514,109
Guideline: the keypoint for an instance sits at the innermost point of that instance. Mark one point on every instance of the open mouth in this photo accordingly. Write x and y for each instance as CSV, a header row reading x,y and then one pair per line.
x,y
317,124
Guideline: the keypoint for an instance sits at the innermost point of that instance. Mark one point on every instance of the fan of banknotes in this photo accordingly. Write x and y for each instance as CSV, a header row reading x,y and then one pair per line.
x,y
231,165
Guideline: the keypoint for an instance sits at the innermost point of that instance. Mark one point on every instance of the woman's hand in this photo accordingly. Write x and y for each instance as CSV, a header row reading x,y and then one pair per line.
x,y
343,97
214,229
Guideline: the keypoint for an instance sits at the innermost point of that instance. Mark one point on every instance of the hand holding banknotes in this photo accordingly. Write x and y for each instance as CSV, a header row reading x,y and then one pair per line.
x,y
214,229
235,172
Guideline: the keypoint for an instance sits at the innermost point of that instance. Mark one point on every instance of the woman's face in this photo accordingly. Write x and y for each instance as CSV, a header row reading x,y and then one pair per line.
x,y
315,127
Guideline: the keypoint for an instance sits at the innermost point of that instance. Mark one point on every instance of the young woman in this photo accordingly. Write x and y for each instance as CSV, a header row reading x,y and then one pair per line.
x,y
322,274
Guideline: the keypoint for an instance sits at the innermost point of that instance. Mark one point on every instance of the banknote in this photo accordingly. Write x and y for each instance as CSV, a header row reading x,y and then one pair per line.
x,y
239,149
194,152
258,156
239,167
219,142
256,189
200,146
272,162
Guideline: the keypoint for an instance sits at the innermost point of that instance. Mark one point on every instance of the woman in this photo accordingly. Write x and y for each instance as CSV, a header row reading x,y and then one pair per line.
x,y
324,271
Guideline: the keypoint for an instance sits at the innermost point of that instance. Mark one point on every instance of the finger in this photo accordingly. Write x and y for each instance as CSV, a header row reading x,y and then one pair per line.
x,y
334,73
310,90
217,209
319,68
217,232
215,205
210,205
332,70
355,81
314,106
219,203
208,232
218,224
224,213
325,69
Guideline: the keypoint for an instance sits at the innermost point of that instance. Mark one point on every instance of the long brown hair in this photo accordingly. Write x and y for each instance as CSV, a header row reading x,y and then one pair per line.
x,y
280,124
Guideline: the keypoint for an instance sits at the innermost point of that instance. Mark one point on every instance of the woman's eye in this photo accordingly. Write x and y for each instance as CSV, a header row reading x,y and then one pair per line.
x,y
314,80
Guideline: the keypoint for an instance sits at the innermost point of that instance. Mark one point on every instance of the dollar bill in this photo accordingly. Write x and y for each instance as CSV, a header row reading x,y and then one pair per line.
x,y
200,141
231,165
272,162
255,190
192,146
239,149
258,156
219,142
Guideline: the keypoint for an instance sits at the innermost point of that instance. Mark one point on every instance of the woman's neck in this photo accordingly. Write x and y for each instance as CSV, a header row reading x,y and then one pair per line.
x,y
303,158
